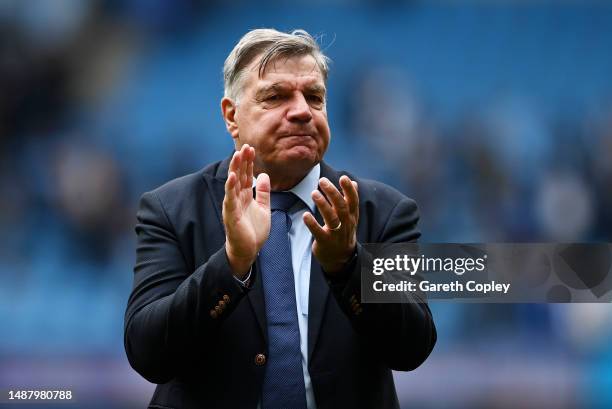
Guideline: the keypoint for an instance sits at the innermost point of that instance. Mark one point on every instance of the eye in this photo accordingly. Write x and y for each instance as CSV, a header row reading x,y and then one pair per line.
x,y
316,99
273,98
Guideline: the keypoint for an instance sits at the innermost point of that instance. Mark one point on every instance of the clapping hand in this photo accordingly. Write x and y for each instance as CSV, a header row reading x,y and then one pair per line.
x,y
335,242
246,219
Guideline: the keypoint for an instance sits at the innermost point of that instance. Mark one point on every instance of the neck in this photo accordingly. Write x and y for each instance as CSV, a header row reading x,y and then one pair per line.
x,y
285,179
279,184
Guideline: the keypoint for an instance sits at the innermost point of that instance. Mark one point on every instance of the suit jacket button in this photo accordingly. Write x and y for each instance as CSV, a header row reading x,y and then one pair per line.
x,y
213,314
260,359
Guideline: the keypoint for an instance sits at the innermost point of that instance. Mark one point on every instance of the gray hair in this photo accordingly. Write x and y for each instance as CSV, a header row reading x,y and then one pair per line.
x,y
270,44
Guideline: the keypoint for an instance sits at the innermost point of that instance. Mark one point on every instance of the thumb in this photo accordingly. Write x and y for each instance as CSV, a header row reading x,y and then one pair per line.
x,y
262,190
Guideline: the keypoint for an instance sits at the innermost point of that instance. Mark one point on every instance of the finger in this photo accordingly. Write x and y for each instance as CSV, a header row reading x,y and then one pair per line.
x,y
329,215
235,168
315,228
350,194
335,198
251,156
230,192
262,190
244,165
234,163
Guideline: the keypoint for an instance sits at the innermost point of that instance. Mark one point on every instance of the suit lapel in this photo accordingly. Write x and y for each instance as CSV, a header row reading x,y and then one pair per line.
x,y
317,298
256,298
319,289
255,294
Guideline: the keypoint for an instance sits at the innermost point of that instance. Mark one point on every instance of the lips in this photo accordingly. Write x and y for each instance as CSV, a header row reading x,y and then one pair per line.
x,y
299,136
299,140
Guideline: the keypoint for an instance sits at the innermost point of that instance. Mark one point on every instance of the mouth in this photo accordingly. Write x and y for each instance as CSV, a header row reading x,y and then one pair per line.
x,y
298,136
298,140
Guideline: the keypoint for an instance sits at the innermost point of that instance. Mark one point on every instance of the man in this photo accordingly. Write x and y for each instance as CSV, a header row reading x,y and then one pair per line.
x,y
247,292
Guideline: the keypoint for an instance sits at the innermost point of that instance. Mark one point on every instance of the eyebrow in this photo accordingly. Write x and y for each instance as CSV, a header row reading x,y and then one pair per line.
x,y
316,89
280,87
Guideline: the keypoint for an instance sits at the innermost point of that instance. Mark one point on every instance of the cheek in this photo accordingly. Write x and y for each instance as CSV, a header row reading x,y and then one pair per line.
x,y
323,128
254,130
265,124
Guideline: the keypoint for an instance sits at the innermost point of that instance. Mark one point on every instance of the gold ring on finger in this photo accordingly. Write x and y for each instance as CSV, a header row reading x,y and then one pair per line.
x,y
338,226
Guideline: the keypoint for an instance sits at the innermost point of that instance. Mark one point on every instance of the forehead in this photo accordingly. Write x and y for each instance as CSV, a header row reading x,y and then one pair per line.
x,y
297,71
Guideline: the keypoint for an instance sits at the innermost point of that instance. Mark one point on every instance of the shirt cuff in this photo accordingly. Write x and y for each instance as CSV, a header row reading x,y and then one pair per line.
x,y
247,280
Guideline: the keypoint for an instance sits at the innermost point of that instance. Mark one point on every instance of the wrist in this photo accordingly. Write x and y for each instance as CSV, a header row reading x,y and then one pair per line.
x,y
337,267
240,265
340,278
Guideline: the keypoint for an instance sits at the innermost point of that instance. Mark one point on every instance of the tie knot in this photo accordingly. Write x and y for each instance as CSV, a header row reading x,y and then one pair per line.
x,y
282,200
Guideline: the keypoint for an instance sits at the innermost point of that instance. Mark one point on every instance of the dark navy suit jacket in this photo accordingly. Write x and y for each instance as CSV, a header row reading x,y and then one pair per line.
x,y
203,357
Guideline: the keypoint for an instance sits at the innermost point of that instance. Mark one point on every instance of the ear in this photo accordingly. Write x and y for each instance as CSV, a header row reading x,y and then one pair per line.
x,y
228,110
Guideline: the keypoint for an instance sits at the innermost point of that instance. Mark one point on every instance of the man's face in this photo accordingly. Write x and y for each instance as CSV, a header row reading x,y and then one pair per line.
x,y
283,115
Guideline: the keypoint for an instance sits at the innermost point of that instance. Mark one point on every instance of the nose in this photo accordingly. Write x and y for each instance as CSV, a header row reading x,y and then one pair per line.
x,y
299,111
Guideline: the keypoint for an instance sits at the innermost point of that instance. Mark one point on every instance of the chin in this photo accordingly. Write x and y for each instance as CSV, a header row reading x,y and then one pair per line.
x,y
301,154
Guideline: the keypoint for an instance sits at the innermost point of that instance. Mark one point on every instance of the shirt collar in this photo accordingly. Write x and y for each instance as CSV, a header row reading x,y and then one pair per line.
x,y
306,186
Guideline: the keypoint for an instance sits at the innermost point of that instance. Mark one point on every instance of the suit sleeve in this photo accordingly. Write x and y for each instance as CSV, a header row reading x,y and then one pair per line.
x,y
402,334
172,312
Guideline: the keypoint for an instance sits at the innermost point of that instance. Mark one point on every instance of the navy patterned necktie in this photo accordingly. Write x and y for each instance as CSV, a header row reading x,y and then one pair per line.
x,y
283,386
